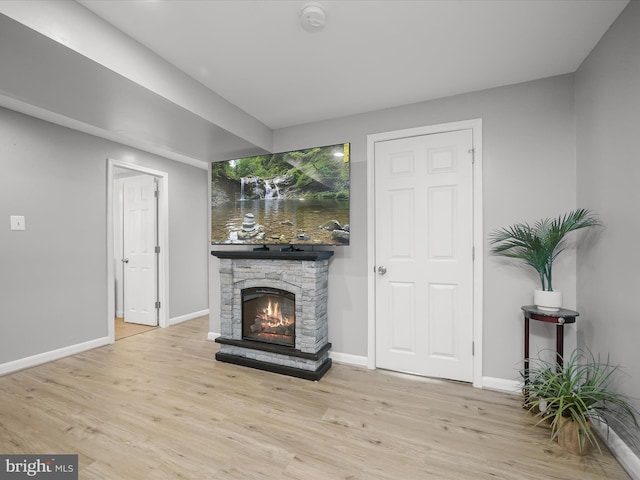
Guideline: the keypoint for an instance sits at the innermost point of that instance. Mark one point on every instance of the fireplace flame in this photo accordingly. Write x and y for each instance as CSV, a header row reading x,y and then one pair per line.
x,y
272,316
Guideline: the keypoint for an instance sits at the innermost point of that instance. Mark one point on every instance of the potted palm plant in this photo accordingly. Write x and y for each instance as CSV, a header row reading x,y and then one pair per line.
x,y
538,245
572,398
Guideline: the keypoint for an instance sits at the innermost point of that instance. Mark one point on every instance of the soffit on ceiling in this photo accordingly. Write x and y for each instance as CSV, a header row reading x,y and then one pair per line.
x,y
45,79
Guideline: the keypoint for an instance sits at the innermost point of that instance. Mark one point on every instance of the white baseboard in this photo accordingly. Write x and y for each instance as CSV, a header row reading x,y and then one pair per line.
x,y
502,385
212,336
189,316
52,355
625,456
348,359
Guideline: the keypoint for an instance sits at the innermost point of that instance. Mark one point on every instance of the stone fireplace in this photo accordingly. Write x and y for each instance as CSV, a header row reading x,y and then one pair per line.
x,y
273,311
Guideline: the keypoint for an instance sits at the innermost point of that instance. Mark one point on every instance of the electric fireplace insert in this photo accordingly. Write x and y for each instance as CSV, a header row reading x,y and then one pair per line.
x,y
268,315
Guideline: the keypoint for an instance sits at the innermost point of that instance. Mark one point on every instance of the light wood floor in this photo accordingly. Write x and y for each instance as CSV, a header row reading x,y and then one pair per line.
x,y
124,329
158,406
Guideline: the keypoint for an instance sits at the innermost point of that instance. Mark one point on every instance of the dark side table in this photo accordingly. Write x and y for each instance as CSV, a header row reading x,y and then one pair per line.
x,y
559,319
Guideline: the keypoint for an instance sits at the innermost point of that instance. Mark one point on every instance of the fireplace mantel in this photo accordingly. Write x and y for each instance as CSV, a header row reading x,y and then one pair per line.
x,y
306,255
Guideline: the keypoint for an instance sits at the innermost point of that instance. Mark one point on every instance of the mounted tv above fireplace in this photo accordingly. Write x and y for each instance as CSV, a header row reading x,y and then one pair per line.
x,y
291,198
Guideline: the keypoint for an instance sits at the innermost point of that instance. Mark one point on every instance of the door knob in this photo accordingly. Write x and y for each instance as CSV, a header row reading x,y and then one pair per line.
x,y
125,260
382,270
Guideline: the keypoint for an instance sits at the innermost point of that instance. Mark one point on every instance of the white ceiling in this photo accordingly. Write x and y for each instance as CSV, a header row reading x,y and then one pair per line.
x,y
371,55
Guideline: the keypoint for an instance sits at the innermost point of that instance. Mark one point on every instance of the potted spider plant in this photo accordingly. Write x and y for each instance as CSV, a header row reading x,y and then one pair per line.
x,y
538,245
572,398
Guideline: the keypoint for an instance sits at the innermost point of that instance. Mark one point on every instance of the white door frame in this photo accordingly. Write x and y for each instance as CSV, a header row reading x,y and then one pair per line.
x,y
476,126
163,238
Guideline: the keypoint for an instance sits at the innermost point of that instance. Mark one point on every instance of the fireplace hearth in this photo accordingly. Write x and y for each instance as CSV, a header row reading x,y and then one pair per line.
x,y
273,311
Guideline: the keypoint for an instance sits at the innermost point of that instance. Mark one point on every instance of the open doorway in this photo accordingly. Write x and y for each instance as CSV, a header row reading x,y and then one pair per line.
x,y
135,227
137,249
126,329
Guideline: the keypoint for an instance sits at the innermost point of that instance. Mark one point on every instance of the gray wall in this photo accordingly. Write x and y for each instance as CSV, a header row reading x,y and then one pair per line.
x,y
53,278
608,119
529,172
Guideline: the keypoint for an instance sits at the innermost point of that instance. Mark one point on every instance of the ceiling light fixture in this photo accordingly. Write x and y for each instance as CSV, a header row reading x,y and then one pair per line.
x,y
313,17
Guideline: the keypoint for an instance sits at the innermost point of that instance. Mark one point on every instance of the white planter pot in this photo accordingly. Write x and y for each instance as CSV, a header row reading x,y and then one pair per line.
x,y
549,301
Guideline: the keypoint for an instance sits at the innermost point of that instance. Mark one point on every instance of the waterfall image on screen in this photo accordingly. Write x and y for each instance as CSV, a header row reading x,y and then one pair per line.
x,y
291,198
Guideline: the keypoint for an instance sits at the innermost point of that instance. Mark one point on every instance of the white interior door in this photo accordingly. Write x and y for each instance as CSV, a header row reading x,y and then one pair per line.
x,y
139,250
424,256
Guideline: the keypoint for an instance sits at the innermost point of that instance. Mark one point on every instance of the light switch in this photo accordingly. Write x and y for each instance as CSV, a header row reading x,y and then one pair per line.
x,y
17,222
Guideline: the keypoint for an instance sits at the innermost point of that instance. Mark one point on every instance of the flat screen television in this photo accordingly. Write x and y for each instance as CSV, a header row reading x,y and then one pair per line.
x,y
289,199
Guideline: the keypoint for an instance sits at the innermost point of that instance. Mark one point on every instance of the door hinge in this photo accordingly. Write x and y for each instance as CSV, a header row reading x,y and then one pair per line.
x,y
473,253
157,304
157,249
473,348
472,151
